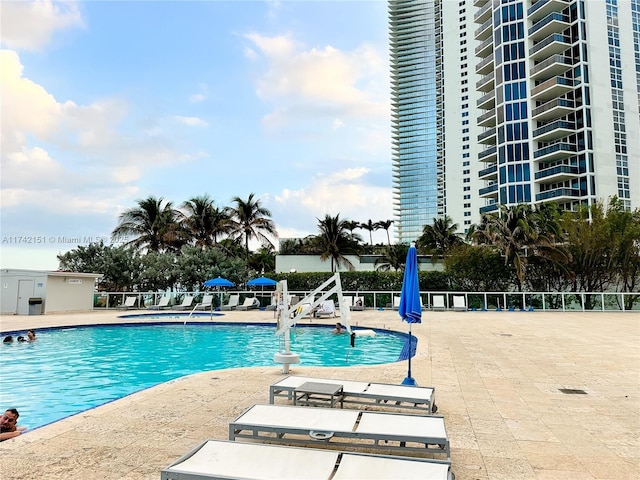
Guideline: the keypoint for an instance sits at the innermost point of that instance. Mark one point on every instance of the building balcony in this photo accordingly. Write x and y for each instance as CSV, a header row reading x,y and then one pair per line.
x,y
485,48
485,30
488,155
553,23
558,173
487,101
551,67
486,65
552,45
488,136
558,194
483,13
541,8
553,131
492,207
479,3
559,107
553,88
485,84
489,172
487,119
487,191
555,152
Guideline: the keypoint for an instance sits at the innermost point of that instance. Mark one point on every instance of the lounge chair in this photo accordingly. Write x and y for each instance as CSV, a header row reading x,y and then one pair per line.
x,y
383,395
206,303
328,309
250,303
232,303
437,302
344,428
459,303
186,303
358,304
303,309
162,304
129,302
220,459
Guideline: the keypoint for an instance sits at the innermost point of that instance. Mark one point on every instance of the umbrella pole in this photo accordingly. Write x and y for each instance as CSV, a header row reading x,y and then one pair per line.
x,y
410,381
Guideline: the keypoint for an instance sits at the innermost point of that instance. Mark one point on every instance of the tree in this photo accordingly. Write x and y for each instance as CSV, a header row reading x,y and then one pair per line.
x,y
199,220
351,225
370,226
264,260
395,257
335,242
154,225
439,237
249,220
385,225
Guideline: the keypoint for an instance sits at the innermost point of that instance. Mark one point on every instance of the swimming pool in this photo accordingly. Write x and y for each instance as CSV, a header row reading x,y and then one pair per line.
x,y
71,369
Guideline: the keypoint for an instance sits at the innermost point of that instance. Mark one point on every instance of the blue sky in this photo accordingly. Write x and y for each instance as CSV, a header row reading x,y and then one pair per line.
x,y
108,102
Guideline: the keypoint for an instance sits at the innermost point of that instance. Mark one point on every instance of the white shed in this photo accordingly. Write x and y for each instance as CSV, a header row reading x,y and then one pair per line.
x,y
33,292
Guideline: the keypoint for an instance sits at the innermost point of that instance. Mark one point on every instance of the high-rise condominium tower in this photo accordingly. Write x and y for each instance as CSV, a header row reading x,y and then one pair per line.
x,y
511,101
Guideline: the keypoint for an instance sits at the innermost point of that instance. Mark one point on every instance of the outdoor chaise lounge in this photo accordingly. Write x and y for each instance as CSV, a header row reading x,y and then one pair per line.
x,y
206,303
358,304
129,302
219,459
459,303
421,399
327,309
344,428
438,302
187,303
232,303
250,303
162,304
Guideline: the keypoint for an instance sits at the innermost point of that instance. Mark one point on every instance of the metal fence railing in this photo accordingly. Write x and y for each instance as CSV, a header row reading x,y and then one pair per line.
x,y
476,301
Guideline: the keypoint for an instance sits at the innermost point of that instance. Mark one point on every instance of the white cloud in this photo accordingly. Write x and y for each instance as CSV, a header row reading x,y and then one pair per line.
x,y
30,25
191,121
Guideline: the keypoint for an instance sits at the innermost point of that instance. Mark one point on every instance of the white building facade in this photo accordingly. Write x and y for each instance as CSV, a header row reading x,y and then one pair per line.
x,y
540,103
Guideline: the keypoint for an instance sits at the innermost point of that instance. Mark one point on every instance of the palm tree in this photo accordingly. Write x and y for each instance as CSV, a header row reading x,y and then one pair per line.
x,y
394,257
351,225
370,226
199,220
439,237
386,225
335,242
154,224
249,220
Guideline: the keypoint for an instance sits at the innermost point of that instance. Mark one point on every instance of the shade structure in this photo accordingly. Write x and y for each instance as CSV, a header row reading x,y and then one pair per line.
x,y
410,308
219,282
262,282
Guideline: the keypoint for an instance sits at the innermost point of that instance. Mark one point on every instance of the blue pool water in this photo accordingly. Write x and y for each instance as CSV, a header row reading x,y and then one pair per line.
x,y
69,370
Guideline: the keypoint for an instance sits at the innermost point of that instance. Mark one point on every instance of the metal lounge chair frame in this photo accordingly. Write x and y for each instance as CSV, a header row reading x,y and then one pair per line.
x,y
162,304
220,459
344,428
421,399
250,303
232,303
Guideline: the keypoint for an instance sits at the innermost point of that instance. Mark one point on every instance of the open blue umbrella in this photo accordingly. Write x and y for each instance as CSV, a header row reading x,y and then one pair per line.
x,y
219,283
410,308
262,282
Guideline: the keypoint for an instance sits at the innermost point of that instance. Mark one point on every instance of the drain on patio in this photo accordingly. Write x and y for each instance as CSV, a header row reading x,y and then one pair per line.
x,y
573,391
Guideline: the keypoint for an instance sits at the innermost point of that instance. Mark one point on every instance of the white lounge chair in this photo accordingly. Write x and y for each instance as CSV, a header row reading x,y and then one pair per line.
x,y
206,303
383,395
328,309
341,427
396,303
162,304
187,303
459,303
219,459
129,302
250,303
358,304
437,302
304,309
232,303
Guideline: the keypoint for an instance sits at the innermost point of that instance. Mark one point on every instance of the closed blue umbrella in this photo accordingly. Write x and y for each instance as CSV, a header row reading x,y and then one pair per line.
x,y
410,308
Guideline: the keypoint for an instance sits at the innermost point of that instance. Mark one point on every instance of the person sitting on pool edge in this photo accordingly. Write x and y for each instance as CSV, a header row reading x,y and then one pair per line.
x,y
338,328
8,427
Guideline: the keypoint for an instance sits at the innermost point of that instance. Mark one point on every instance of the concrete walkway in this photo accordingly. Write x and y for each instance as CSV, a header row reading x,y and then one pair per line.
x,y
497,377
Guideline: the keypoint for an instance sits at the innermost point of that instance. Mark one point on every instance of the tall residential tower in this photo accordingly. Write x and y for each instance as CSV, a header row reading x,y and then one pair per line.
x,y
510,101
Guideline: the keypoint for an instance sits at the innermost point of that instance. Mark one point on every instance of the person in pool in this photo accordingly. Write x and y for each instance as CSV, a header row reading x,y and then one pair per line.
x,y
31,335
338,328
8,427
8,339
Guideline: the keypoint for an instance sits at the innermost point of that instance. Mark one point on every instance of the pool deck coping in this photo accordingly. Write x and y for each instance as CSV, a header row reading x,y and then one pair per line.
x,y
497,377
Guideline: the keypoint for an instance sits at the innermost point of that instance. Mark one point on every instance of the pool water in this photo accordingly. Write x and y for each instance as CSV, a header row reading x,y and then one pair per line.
x,y
69,370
